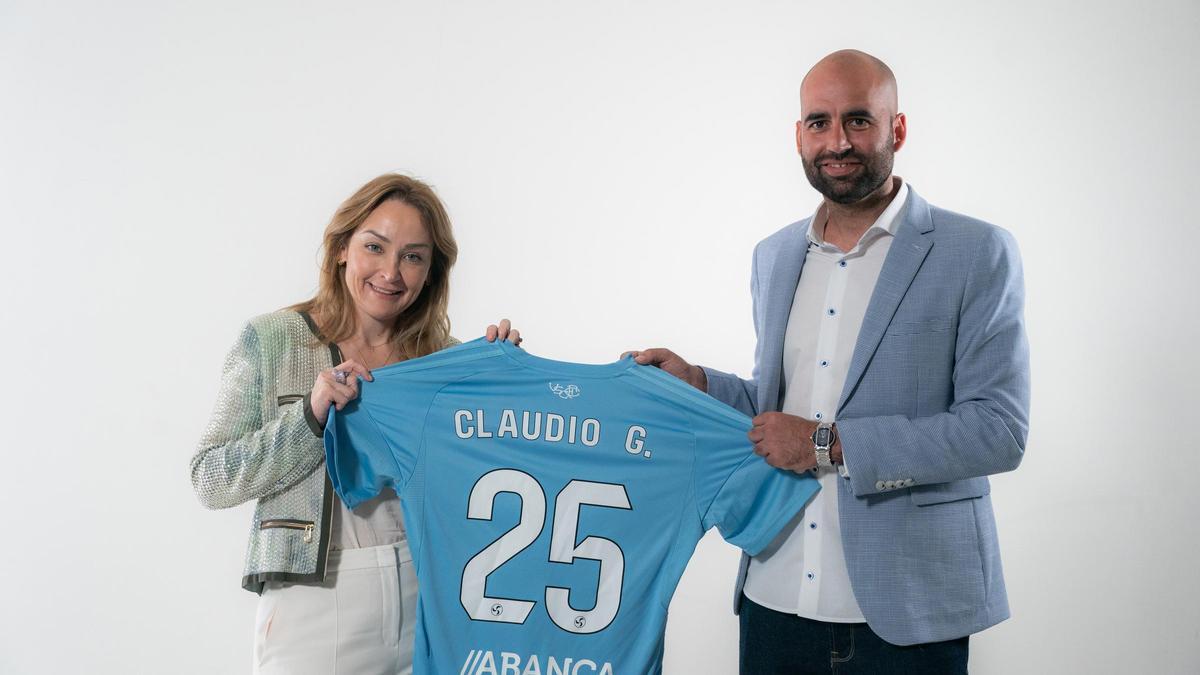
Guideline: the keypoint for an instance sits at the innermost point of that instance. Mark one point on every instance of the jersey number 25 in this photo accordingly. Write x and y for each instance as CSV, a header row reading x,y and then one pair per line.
x,y
563,549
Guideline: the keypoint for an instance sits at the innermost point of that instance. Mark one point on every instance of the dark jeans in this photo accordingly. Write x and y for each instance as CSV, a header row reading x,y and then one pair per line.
x,y
773,643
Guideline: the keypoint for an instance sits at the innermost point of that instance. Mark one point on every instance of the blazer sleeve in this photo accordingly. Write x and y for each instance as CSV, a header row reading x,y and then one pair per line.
x,y
728,388
984,430
242,456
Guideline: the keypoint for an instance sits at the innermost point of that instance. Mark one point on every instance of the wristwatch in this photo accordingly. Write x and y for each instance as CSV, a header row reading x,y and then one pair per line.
x,y
823,439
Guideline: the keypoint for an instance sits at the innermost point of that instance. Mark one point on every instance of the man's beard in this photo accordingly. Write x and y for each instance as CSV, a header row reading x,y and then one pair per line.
x,y
876,167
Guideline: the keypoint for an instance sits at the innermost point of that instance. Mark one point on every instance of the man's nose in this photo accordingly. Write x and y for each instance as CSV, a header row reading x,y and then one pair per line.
x,y
840,140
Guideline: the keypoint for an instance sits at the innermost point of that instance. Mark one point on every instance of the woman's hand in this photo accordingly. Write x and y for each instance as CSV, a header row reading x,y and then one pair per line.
x,y
336,386
504,331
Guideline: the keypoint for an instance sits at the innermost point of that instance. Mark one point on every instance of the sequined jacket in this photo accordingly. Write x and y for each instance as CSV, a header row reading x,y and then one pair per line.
x,y
264,443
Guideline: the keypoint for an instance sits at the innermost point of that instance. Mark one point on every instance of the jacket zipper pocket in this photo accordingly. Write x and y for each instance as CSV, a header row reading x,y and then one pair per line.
x,y
290,524
289,398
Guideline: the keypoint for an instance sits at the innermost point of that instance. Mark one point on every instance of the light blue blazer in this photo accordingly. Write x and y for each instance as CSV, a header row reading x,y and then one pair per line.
x,y
937,399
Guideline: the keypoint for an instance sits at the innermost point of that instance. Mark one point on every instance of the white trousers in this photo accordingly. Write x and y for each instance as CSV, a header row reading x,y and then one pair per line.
x,y
360,620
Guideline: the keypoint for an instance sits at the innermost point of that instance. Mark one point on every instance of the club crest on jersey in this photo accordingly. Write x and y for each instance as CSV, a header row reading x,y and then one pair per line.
x,y
569,391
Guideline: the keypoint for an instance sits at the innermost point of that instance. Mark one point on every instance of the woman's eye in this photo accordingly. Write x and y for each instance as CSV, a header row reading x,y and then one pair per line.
x,y
374,248
413,257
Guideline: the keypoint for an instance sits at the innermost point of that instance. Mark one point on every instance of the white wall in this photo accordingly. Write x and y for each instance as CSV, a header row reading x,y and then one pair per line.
x,y
166,169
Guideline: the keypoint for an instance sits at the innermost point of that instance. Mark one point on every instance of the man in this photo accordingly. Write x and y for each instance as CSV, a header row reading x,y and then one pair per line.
x,y
891,338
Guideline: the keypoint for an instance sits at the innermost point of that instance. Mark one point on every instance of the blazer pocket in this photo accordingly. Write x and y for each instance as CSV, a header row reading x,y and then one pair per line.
x,y
940,493
304,526
924,326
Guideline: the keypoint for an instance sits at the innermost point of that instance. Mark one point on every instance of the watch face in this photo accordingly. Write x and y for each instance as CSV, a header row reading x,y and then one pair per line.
x,y
823,437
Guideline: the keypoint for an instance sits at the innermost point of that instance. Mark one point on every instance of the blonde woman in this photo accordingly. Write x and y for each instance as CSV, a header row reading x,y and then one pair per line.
x,y
337,589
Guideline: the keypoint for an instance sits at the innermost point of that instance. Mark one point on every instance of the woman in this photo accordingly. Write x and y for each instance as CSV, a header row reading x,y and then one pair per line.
x,y
337,589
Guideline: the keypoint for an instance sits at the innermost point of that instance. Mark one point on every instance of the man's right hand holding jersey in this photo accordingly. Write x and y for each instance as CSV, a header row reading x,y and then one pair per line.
x,y
673,364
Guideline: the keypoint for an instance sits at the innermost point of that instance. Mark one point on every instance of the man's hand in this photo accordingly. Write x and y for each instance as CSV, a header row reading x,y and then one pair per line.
x,y
669,361
785,441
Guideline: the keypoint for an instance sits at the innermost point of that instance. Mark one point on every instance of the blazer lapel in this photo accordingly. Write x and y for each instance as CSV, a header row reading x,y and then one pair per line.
x,y
904,258
781,291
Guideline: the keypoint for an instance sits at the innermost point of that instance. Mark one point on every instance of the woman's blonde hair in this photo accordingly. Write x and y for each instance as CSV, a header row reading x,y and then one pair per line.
x,y
423,327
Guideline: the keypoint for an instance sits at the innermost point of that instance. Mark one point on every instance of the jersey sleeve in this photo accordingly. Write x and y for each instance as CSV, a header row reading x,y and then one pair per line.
x,y
375,441
746,499
360,459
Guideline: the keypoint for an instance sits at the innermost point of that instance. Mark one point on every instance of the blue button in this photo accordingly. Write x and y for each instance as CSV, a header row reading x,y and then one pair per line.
x,y
812,526
831,311
811,576
818,415
824,363
842,263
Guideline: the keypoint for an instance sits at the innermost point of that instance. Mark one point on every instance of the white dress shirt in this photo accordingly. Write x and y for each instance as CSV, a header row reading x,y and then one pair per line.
x,y
803,571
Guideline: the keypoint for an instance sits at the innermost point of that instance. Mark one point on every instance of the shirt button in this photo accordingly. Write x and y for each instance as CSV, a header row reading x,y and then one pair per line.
x,y
842,263
812,526
818,415
831,311
811,576
824,363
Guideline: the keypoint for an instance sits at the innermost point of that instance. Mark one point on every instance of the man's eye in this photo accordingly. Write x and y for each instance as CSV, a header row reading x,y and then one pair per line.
x,y
859,123
819,124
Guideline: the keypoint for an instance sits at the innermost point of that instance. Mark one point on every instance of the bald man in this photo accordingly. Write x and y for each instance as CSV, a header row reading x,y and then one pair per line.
x,y
891,361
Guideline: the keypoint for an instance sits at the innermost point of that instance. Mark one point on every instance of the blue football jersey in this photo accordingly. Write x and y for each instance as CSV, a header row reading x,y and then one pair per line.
x,y
551,507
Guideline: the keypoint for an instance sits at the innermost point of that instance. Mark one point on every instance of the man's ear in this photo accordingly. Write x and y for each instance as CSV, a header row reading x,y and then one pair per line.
x,y
899,130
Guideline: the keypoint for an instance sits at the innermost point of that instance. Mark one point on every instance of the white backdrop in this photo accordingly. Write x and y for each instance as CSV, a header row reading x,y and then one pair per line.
x,y
166,169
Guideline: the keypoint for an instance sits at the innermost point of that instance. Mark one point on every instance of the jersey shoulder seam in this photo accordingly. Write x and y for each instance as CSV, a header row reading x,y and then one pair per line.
x,y
689,394
463,353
